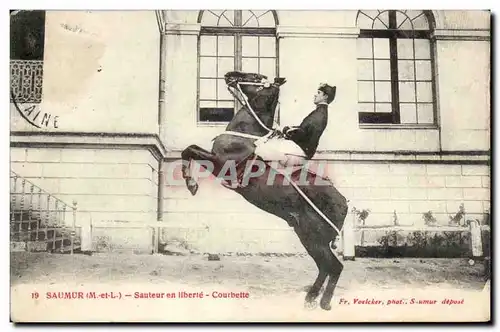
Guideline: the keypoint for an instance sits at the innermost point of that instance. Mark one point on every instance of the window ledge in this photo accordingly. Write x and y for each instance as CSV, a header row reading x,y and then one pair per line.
x,y
397,126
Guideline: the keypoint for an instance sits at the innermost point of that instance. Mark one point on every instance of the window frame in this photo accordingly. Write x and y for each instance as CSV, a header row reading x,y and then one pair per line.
x,y
393,119
237,32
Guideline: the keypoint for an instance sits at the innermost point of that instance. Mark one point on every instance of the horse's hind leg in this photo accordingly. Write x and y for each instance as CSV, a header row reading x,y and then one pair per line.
x,y
313,292
335,268
317,243
314,250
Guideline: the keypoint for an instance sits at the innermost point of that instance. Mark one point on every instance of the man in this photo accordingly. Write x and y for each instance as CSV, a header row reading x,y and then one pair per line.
x,y
301,141
308,133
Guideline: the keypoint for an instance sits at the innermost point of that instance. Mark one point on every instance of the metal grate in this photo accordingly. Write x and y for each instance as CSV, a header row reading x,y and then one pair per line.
x,y
26,77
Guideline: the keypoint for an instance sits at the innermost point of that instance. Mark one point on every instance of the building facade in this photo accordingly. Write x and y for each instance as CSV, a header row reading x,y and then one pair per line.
x,y
102,104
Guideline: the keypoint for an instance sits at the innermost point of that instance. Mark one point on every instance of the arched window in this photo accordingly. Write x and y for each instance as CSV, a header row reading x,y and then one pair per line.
x,y
232,40
395,67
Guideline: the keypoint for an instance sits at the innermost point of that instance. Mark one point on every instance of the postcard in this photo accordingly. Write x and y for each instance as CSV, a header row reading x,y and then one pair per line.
x,y
250,166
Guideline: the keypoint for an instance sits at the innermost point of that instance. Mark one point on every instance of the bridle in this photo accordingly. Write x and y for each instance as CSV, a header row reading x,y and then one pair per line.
x,y
246,102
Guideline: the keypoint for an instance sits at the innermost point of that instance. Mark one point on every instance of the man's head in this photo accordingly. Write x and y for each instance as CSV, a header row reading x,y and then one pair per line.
x,y
325,94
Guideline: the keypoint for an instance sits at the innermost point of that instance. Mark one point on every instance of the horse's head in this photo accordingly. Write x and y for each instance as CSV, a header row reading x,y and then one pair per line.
x,y
262,94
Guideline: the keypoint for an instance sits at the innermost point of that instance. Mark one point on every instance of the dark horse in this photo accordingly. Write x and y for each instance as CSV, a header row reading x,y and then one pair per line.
x,y
254,120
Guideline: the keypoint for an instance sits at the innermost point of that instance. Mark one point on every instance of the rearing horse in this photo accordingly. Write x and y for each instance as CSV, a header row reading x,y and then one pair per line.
x,y
253,121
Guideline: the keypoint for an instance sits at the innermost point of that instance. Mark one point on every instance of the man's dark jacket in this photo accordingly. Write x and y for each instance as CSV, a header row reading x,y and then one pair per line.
x,y
307,135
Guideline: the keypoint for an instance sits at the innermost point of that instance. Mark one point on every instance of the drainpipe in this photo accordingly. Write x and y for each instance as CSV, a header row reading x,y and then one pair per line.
x,y
163,78
162,20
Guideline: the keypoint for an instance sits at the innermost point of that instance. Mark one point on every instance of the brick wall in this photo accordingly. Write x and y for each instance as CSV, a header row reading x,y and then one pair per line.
x,y
108,184
122,185
218,220
413,189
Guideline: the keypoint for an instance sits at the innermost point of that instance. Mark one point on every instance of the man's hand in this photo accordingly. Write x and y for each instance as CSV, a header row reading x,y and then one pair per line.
x,y
290,131
277,133
285,131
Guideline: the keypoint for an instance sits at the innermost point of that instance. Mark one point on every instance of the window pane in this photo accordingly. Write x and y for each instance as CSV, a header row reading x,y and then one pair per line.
x,y
425,113
250,65
366,107
268,68
225,65
365,69
365,48
222,92
267,46
416,16
225,104
407,92
216,104
422,49
226,45
252,22
382,70
381,21
259,13
208,103
403,22
207,45
383,91
248,19
420,23
365,91
266,19
207,89
245,16
207,67
250,46
365,21
424,71
406,70
210,17
227,18
381,48
383,108
408,113
424,92
216,114
405,49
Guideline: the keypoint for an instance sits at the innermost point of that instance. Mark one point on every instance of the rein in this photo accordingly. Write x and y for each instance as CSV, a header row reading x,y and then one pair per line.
x,y
247,103
262,138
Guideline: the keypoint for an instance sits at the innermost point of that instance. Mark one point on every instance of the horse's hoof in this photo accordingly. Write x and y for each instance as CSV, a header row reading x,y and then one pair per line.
x,y
310,305
311,297
193,189
325,306
192,186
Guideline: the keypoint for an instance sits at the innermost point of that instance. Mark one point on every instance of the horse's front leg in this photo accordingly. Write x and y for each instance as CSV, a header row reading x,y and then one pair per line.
x,y
196,153
191,183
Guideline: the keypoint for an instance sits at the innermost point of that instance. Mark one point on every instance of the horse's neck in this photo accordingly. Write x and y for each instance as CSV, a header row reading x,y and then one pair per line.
x,y
244,122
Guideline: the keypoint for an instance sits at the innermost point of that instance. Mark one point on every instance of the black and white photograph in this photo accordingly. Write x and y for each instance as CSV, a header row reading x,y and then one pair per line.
x,y
230,165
